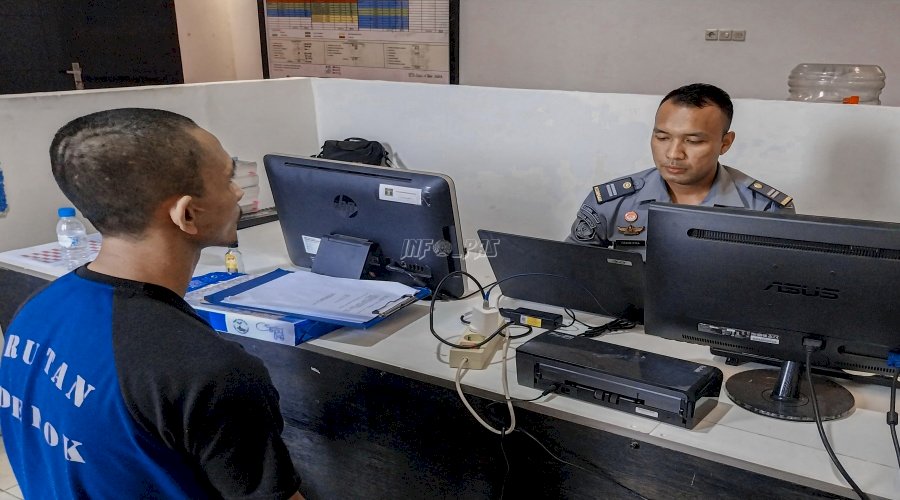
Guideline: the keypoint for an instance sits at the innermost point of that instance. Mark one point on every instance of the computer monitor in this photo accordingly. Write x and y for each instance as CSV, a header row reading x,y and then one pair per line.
x,y
585,278
761,284
411,217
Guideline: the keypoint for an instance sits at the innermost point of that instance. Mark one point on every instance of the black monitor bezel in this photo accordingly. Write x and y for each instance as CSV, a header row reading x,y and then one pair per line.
x,y
683,270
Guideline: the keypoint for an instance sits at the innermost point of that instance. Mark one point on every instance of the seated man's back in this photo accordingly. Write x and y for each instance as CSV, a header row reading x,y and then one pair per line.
x,y
110,385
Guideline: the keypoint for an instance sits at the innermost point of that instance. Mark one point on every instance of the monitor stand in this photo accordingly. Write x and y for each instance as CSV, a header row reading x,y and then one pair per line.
x,y
785,394
733,358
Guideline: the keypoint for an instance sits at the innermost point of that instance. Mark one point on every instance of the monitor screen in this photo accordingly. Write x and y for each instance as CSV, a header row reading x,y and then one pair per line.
x,y
557,273
761,284
410,216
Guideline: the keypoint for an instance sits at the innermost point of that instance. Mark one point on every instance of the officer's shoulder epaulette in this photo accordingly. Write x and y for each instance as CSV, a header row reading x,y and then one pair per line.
x,y
771,193
615,189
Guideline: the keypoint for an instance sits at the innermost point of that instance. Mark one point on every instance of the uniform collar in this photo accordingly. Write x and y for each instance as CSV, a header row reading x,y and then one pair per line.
x,y
654,188
722,193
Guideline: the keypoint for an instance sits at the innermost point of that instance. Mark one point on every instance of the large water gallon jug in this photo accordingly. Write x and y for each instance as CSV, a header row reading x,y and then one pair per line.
x,y
848,83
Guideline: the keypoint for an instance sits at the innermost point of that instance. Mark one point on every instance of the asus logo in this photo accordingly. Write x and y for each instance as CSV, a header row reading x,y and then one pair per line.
x,y
795,289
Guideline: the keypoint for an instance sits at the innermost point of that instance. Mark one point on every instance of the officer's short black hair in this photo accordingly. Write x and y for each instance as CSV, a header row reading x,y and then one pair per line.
x,y
117,166
699,95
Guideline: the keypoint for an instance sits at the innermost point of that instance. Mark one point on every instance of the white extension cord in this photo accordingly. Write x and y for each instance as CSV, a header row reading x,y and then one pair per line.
x,y
504,379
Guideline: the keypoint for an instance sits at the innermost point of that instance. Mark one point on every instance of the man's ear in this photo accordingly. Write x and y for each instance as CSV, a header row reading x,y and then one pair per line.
x,y
182,214
727,141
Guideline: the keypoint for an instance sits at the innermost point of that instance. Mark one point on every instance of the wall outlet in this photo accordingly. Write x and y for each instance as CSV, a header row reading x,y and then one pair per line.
x,y
724,35
738,35
711,35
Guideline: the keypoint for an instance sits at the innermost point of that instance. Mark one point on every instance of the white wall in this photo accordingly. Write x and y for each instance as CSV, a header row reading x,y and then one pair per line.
x,y
249,118
653,46
219,40
627,46
523,160
244,22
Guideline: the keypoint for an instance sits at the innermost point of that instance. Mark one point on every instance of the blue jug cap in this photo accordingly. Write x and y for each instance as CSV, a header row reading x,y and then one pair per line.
x,y
66,212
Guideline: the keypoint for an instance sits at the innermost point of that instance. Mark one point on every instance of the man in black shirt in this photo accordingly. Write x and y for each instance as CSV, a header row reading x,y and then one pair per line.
x,y
117,388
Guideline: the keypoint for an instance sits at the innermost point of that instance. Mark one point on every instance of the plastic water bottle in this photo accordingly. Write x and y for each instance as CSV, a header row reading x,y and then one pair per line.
x,y
839,83
72,238
234,261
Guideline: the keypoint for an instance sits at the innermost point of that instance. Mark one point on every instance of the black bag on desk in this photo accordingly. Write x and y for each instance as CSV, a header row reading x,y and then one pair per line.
x,y
355,149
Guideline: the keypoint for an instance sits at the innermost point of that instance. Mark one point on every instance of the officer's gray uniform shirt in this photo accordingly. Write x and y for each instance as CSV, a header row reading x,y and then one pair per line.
x,y
621,221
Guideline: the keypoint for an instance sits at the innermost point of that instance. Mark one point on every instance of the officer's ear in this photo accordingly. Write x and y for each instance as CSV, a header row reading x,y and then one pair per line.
x,y
727,140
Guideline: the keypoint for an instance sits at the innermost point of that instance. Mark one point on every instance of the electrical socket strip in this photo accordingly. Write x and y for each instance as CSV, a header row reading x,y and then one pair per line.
x,y
479,358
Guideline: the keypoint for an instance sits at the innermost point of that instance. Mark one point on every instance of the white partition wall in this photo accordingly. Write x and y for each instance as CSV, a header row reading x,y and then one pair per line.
x,y
522,160
249,118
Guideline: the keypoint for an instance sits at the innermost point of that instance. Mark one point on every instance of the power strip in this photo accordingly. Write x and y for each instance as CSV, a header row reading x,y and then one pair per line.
x,y
479,358
484,322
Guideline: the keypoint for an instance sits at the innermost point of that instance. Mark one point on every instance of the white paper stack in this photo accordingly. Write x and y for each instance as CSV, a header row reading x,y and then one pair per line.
x,y
247,178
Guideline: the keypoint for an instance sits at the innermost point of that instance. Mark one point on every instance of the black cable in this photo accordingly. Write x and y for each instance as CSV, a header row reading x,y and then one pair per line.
x,y
436,293
480,290
553,388
571,315
596,331
500,423
815,403
506,460
600,472
592,331
491,287
614,325
892,414
418,281
528,331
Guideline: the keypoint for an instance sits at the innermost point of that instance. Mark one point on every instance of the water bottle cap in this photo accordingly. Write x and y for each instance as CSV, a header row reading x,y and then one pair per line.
x,y
66,212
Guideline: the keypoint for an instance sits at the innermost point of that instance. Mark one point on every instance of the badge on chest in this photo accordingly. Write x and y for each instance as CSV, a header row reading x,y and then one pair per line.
x,y
631,230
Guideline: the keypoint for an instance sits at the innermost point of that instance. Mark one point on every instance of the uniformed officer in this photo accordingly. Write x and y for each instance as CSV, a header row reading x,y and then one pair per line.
x,y
691,131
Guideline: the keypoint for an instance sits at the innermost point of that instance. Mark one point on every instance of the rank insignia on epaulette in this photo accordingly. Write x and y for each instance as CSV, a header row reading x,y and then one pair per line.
x,y
771,193
613,190
631,229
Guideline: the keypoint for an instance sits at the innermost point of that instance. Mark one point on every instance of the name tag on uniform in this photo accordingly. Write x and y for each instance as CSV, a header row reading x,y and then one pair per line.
x,y
629,243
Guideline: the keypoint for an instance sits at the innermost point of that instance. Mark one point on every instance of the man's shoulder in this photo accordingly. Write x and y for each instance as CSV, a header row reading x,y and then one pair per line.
x,y
170,338
760,188
621,186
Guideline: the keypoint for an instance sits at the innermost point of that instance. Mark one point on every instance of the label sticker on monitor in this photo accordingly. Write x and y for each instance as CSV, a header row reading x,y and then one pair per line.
x,y
311,244
644,411
737,333
768,338
400,194
619,262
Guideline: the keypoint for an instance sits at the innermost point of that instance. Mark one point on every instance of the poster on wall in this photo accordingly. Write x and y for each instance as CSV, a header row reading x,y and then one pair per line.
x,y
395,40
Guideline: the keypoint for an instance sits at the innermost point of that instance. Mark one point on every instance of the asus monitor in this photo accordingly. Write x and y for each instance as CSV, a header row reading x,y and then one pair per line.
x,y
761,284
407,220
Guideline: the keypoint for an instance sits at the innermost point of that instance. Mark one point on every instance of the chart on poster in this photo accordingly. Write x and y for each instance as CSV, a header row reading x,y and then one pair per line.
x,y
396,40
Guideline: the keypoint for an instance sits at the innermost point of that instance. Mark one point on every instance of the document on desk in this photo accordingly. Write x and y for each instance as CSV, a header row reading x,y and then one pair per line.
x,y
324,297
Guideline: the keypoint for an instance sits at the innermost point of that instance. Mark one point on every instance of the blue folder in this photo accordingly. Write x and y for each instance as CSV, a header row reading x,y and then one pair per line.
x,y
218,299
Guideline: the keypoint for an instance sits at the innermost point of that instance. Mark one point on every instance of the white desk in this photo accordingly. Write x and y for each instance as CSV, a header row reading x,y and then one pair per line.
x,y
729,435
